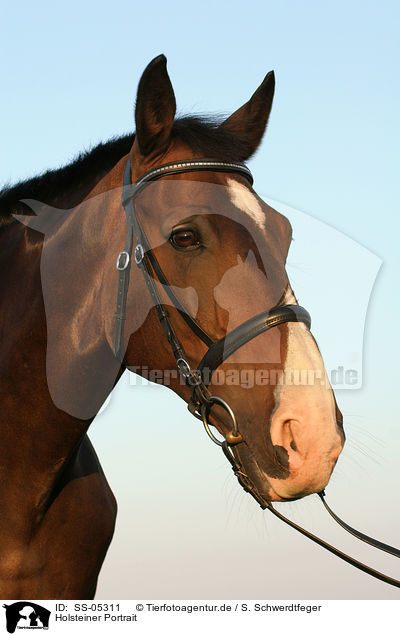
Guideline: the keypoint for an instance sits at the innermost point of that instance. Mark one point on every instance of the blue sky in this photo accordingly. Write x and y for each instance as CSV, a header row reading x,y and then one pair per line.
x,y
69,78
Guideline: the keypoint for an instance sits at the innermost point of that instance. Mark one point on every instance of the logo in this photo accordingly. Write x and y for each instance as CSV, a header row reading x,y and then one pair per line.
x,y
26,615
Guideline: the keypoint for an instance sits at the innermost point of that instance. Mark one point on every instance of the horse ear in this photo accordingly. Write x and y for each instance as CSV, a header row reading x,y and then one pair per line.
x,y
155,108
249,122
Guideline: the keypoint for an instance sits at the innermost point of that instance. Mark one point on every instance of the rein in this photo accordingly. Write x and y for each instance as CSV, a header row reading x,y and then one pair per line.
x,y
201,400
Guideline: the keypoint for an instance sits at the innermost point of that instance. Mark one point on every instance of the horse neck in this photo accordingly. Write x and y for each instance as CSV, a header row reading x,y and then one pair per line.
x,y
80,366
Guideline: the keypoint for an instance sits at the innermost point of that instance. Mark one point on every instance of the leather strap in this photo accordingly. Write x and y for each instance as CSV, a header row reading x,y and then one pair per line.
x,y
122,291
180,167
191,322
250,329
359,535
335,551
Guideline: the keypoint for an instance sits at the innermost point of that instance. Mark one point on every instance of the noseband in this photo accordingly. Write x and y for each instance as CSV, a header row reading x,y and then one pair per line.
x,y
201,401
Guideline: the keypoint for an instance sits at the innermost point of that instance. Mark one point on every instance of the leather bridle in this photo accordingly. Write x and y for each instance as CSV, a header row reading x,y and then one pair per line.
x,y
201,401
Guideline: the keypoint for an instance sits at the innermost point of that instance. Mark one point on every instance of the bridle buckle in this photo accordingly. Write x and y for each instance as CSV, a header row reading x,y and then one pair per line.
x,y
138,254
122,266
191,378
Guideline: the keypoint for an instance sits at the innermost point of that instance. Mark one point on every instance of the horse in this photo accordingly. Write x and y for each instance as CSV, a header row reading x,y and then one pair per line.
x,y
210,295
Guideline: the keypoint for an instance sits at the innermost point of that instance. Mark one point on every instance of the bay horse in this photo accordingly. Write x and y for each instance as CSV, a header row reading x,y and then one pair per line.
x,y
66,262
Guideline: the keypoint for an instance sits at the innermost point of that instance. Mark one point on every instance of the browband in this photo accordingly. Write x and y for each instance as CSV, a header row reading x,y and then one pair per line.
x,y
180,167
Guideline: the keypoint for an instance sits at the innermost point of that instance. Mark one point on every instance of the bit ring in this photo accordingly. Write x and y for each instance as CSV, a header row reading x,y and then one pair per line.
x,y
234,436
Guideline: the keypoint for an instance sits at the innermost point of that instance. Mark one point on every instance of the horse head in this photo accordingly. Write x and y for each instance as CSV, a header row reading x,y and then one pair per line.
x,y
223,252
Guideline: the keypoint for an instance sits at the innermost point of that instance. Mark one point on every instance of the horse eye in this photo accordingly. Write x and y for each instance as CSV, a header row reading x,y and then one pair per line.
x,y
184,238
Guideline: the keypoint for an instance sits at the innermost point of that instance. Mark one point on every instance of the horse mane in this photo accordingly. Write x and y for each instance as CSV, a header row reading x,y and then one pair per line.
x,y
57,187
68,185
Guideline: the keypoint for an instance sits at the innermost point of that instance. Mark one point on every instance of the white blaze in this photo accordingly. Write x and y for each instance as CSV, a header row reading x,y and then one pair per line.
x,y
245,200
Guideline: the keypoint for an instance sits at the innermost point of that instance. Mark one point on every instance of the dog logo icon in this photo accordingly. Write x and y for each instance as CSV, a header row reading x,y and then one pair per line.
x,y
26,615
